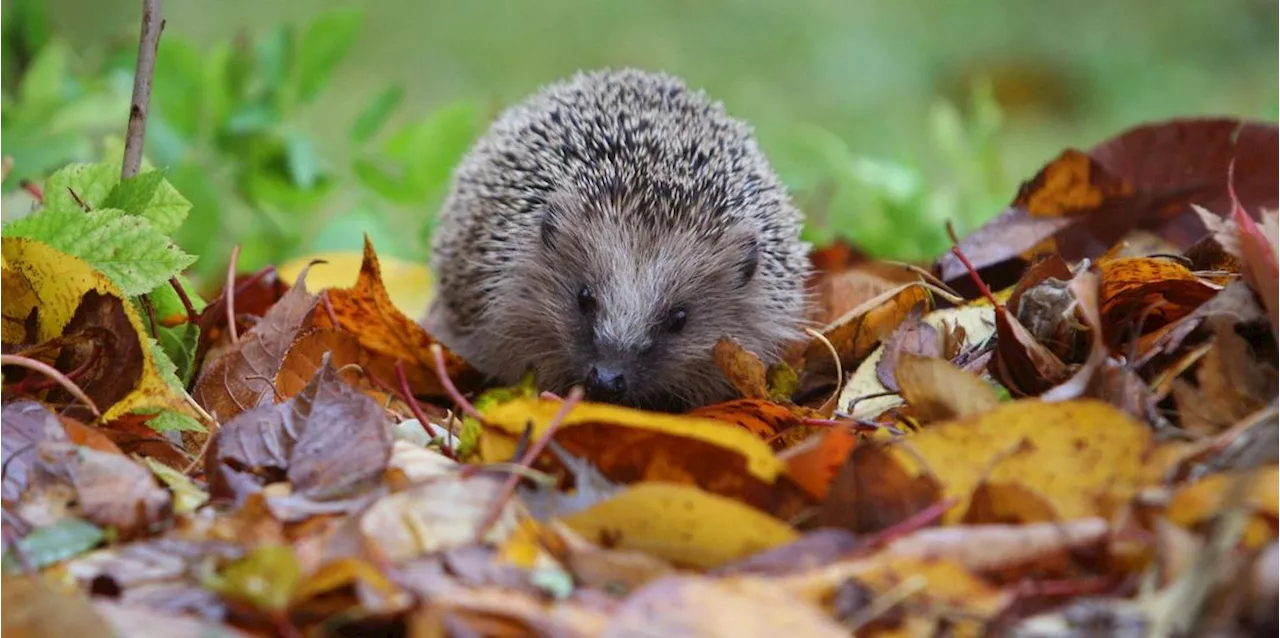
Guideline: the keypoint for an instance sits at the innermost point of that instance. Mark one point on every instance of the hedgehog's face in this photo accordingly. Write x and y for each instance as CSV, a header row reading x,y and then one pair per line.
x,y
632,314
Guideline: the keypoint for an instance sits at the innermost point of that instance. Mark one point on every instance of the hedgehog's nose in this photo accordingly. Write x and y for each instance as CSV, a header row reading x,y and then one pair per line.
x,y
606,384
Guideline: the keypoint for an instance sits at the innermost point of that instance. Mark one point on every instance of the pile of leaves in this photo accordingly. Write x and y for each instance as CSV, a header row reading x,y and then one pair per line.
x,y
1065,426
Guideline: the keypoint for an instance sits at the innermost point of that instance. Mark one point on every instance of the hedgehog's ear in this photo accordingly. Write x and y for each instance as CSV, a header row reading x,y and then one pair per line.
x,y
549,224
551,220
749,261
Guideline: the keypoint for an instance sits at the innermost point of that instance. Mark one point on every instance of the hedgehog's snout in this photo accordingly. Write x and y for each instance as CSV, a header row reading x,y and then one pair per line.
x,y
605,383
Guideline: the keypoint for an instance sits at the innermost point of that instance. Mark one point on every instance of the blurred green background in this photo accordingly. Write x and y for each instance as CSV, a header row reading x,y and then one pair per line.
x,y
295,125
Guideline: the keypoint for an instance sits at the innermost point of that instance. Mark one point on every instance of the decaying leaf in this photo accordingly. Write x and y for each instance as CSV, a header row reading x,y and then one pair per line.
x,y
873,491
937,390
744,369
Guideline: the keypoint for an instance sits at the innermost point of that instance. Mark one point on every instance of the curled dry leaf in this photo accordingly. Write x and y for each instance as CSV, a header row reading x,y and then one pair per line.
x,y
330,442
912,336
937,390
743,369
242,376
1149,292
1231,382
761,417
859,331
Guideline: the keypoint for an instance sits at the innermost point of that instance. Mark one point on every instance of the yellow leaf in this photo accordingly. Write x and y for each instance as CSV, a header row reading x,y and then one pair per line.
x,y
1200,502
408,283
680,523
57,282
1083,457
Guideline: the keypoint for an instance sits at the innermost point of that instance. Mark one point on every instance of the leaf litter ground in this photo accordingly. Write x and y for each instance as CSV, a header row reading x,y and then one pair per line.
x,y
1066,425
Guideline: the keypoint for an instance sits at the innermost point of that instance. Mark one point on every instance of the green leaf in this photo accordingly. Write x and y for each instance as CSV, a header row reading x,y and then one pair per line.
x,y
179,344
275,56
54,543
133,194
304,165
91,183
166,368
323,44
375,114
98,186
164,207
265,578
125,248
42,86
187,497
170,421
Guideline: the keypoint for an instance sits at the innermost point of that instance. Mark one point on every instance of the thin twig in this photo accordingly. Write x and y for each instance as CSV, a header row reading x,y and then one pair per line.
x,y
52,373
32,190
230,294
437,359
79,201
509,486
407,394
192,315
144,74
834,400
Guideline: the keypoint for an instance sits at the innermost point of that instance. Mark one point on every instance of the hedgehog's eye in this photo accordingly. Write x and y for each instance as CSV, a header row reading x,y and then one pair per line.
x,y
676,320
586,300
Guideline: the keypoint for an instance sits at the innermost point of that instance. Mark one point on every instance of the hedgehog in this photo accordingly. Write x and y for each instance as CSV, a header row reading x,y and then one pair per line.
x,y
606,233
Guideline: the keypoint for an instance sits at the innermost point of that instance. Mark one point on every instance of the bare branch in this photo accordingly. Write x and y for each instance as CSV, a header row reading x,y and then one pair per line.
x,y
148,43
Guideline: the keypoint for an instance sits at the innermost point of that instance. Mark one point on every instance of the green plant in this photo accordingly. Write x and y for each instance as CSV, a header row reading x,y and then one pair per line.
x,y
899,209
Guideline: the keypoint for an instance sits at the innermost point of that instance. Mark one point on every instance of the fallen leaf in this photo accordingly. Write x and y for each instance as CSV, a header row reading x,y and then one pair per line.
x,y
873,491
37,609
330,442
687,606
408,284
763,418
243,376
1084,457
937,390
743,369
389,336
813,467
435,515
680,523
1149,292
629,445
912,336
860,330
1202,501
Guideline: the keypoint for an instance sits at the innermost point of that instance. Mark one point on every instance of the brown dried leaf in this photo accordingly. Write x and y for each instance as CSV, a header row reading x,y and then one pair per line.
x,y
25,425
1022,364
330,442
743,369
937,390
38,609
388,336
860,330
872,491
1152,290
243,376
1231,383
108,489
912,336
100,338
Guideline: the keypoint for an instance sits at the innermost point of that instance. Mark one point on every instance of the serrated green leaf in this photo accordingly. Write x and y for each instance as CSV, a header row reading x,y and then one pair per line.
x,y
54,543
322,45
133,194
165,367
375,114
90,182
98,186
125,248
170,421
179,344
